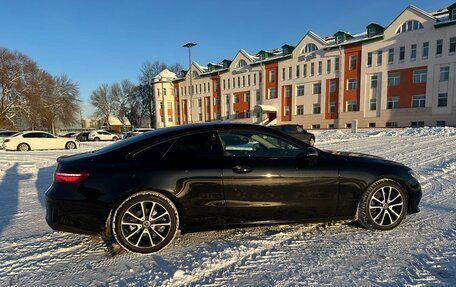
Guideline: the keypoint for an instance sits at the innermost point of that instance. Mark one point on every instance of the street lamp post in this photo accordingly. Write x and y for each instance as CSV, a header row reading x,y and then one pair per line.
x,y
189,45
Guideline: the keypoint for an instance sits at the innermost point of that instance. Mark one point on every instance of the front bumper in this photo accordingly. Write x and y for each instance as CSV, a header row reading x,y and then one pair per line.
x,y
415,194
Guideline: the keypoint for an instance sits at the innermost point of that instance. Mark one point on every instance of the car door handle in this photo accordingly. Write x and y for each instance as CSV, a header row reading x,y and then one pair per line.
x,y
241,169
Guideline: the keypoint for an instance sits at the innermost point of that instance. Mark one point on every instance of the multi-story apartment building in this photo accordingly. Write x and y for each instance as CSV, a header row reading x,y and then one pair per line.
x,y
402,74
165,99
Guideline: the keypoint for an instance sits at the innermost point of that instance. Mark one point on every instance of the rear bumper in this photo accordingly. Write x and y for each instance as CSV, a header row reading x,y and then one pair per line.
x,y
73,216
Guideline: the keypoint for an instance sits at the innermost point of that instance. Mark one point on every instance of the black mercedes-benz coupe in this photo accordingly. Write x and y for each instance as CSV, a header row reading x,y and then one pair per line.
x,y
144,189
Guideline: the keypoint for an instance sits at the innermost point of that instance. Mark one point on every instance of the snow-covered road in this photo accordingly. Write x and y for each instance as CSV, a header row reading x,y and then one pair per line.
x,y
420,252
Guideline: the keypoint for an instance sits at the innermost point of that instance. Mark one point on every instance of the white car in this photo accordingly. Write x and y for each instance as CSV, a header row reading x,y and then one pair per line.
x,y
34,140
102,135
6,134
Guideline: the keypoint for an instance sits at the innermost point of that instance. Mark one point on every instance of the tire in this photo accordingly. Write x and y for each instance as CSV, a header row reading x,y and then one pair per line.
x,y
115,138
23,147
97,139
70,145
136,232
312,141
383,206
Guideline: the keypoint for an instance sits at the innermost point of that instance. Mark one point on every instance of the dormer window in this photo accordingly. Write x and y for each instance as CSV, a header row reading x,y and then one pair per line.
x,y
241,63
195,74
410,25
339,39
371,32
310,48
453,14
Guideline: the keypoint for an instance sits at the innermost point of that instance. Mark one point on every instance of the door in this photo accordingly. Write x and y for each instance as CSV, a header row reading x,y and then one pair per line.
x,y
266,178
190,169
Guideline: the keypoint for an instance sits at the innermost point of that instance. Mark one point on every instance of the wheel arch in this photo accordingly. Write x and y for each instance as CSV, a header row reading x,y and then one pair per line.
x,y
20,143
125,195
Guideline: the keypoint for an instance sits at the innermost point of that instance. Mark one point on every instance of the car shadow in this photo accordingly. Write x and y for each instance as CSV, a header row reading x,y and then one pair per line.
x,y
9,195
43,182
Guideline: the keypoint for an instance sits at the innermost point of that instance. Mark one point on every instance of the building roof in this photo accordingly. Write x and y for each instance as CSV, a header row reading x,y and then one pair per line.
x,y
165,74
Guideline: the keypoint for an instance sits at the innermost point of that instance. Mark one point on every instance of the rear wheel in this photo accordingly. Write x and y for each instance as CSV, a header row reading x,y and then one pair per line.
x,y
70,145
97,139
145,222
383,206
115,138
23,147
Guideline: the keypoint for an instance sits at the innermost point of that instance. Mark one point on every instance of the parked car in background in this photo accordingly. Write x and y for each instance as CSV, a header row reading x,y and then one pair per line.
x,y
5,134
35,140
82,136
102,135
69,135
296,131
144,189
136,132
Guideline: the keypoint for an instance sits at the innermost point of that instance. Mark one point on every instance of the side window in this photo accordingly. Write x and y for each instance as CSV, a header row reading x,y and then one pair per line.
x,y
253,144
48,136
32,135
154,151
195,146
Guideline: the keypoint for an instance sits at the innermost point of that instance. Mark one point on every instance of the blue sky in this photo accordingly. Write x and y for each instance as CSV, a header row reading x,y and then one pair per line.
x,y
96,42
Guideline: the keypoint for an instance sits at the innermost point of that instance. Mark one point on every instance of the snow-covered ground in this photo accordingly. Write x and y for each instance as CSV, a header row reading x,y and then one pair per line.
x,y
420,252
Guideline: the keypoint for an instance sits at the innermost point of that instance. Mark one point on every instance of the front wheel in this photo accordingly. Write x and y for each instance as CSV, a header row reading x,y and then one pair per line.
x,y
23,147
145,222
115,138
383,206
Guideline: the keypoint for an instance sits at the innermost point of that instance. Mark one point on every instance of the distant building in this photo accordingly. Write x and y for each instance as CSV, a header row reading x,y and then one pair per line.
x,y
402,74
164,90
113,123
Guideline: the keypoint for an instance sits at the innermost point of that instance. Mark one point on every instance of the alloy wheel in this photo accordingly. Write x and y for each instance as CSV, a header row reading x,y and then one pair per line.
x,y
386,206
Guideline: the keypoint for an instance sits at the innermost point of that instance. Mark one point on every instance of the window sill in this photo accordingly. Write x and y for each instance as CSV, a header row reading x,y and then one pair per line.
x,y
424,57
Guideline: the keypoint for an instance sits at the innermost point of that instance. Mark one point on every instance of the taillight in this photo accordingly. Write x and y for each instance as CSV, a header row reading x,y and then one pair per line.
x,y
70,177
6,140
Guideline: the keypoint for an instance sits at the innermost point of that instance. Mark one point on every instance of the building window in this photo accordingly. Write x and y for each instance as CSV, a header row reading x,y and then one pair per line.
x,y
320,68
379,57
369,59
304,70
236,114
247,97
440,123
328,66
401,53
300,110
351,106
418,101
391,124
425,50
228,80
373,104
254,79
444,74
286,110
410,25
247,113
312,69
413,52
316,88
272,93
200,103
236,99
452,48
316,108
248,80
332,107
418,124
394,79
258,95
330,126
439,49
290,72
297,71
300,90
227,99
315,126
392,103
336,64
283,74
272,75
239,82
234,83
348,125
287,92
443,100
352,84
353,60
310,48
241,63
374,81
419,76
391,56
372,125
332,86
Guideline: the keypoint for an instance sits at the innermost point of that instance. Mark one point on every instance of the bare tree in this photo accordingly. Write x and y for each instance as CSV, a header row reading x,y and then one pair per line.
x,y
16,73
124,94
147,73
176,68
104,102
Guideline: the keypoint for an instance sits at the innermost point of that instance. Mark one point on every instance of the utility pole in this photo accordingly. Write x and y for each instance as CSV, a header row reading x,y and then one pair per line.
x,y
189,45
